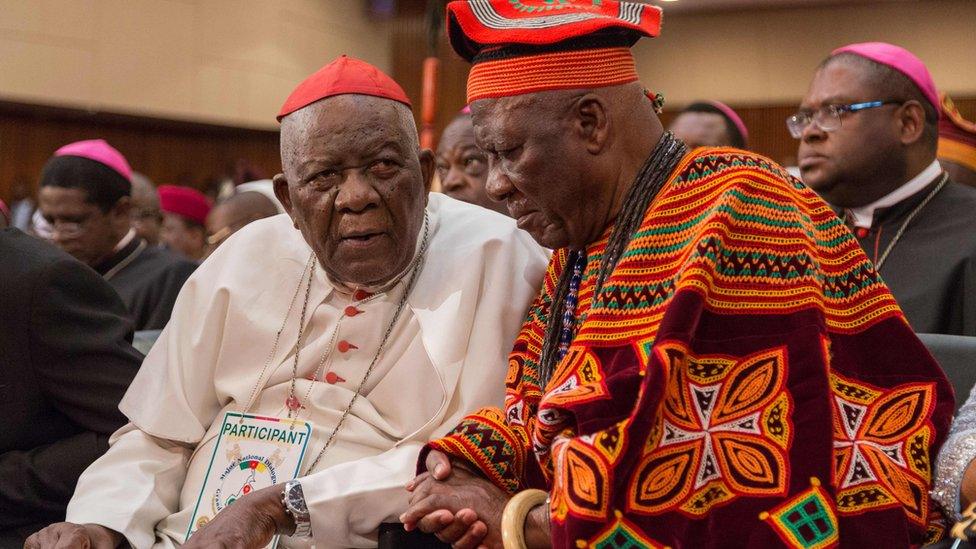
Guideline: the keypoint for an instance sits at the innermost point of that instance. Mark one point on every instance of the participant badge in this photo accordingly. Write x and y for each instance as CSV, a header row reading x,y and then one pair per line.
x,y
252,452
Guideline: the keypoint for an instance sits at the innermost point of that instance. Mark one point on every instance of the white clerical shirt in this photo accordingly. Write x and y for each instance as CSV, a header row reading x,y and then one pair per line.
x,y
446,356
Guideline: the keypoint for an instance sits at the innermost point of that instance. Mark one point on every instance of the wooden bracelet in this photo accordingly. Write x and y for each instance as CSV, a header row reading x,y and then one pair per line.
x,y
514,515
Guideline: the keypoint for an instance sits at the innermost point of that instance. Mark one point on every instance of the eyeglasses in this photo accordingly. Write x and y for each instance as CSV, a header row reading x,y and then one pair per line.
x,y
828,117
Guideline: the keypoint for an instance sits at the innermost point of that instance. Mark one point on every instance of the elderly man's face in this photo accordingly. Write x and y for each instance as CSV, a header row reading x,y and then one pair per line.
x,y
354,184
463,167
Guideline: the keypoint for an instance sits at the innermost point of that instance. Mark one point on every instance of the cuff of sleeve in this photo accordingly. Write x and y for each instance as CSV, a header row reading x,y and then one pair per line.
x,y
958,452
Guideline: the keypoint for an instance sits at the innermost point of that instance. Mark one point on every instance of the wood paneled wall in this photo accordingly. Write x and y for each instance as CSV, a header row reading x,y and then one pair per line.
x,y
169,152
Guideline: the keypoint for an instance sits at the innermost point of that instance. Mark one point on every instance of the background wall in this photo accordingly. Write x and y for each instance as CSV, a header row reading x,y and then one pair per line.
x,y
188,89
758,61
218,61
768,56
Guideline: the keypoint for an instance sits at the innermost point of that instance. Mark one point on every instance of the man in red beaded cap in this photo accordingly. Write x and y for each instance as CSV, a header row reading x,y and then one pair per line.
x,y
313,354
185,212
711,361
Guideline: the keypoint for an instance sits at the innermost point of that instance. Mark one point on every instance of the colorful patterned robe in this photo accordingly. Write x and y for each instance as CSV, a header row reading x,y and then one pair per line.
x,y
745,379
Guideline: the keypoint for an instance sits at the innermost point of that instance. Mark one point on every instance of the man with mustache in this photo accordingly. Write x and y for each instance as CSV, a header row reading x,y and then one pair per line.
x,y
868,131
373,310
712,361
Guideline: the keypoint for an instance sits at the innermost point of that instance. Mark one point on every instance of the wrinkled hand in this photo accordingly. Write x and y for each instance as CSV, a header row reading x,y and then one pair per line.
x,y
463,509
67,535
250,522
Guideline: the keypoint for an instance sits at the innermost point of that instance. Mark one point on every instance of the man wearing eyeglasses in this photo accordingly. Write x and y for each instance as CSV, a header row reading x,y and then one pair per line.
x,y
86,198
868,131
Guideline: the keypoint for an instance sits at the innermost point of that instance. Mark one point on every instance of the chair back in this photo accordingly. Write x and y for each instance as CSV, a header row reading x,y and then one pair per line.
x,y
957,356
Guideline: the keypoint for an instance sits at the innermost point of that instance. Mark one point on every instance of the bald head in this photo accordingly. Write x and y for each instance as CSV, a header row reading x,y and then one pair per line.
x,y
354,184
564,160
235,213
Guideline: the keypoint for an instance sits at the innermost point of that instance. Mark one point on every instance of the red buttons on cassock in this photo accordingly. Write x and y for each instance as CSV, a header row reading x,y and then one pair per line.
x,y
352,311
360,295
345,346
333,378
862,232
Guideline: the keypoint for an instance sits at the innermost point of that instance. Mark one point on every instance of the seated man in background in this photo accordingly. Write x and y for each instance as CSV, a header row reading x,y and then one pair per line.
x,y
85,197
185,213
712,361
462,167
65,361
957,144
376,312
233,214
868,131
145,215
710,124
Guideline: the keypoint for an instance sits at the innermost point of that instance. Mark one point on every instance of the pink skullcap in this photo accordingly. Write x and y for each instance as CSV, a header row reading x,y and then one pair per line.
x,y
4,211
190,203
466,109
99,151
899,59
733,117
344,75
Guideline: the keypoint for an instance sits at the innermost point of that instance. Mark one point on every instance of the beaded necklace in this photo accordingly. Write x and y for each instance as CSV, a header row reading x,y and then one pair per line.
x,y
648,182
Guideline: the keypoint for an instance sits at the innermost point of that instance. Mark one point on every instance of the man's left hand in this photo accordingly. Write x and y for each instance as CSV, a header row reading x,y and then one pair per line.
x,y
249,522
457,509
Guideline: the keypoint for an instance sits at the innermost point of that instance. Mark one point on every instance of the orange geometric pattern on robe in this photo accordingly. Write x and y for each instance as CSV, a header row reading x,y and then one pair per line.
x,y
724,432
881,437
749,243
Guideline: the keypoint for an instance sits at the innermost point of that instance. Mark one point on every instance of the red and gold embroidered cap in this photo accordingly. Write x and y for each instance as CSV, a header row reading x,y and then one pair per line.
x,y
957,136
343,76
528,46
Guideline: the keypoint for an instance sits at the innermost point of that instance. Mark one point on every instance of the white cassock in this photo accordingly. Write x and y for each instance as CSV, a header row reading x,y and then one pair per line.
x,y
446,356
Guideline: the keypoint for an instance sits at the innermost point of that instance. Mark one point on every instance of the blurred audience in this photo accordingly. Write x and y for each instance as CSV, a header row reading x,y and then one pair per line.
x,y
462,167
957,144
85,196
710,124
233,214
868,134
263,186
185,213
22,205
65,361
146,217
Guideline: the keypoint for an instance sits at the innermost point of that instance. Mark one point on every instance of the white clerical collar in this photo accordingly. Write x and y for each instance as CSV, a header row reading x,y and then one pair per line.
x,y
863,217
125,241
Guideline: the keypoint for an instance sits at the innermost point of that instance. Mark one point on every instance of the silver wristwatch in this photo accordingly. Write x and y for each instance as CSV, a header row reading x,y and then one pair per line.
x,y
294,501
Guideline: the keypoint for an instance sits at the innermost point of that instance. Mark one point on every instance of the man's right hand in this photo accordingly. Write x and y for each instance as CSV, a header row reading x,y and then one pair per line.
x,y
67,535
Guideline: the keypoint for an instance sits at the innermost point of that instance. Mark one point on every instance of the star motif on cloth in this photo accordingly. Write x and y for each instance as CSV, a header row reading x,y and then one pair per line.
x,y
724,432
880,437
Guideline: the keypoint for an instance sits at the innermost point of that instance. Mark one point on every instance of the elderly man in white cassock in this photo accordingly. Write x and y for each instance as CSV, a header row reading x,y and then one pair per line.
x,y
313,354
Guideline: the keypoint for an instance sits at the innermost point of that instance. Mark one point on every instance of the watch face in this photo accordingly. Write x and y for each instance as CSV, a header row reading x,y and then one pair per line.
x,y
296,499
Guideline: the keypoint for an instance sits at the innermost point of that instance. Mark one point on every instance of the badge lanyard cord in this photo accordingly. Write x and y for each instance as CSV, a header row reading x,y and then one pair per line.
x,y
309,271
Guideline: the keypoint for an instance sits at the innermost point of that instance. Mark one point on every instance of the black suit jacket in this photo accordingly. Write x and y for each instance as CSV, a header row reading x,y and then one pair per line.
x,y
65,362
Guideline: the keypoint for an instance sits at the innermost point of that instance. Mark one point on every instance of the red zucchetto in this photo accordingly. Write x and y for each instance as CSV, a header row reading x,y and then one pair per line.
x,y
342,76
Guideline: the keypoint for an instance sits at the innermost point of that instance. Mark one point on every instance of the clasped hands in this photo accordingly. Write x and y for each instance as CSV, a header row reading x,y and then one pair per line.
x,y
464,509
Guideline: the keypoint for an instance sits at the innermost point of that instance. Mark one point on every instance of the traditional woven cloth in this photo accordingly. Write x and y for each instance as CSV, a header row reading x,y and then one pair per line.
x,y
527,46
744,379
957,136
